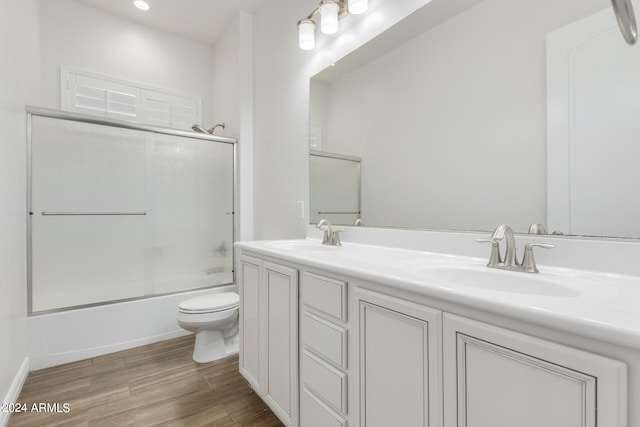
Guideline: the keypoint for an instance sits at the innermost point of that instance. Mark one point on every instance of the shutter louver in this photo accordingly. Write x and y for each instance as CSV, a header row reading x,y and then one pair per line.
x,y
96,95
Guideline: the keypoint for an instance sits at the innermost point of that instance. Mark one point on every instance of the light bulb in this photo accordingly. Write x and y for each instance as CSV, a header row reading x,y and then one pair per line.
x,y
357,7
306,34
329,16
141,4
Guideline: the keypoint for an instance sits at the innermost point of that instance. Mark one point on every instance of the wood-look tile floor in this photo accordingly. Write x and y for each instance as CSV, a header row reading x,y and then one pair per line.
x,y
154,385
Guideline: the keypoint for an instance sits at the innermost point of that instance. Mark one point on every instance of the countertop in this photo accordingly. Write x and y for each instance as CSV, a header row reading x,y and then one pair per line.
x,y
602,306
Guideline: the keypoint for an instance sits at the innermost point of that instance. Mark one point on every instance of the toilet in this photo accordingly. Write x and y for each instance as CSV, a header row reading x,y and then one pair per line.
x,y
214,320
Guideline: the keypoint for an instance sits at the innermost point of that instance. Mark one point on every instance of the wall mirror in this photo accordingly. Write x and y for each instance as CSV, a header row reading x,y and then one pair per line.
x,y
473,113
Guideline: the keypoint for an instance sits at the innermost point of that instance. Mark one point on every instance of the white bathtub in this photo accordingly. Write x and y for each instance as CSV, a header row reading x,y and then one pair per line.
x,y
57,338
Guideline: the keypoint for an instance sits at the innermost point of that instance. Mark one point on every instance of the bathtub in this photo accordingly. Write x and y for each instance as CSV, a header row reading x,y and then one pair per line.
x,y
63,337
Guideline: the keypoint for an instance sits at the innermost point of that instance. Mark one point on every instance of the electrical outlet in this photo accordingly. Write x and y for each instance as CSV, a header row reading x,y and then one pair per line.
x,y
300,208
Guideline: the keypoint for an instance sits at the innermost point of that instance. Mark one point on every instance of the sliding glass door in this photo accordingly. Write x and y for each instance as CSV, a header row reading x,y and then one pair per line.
x,y
118,213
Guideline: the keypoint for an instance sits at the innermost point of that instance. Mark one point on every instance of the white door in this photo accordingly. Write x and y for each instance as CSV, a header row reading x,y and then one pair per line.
x,y
593,88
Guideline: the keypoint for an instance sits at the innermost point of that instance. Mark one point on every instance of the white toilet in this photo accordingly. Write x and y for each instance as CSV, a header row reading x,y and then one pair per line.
x,y
214,319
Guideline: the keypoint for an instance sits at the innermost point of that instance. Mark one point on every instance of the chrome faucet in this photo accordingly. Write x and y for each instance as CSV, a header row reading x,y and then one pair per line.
x,y
331,236
505,232
510,261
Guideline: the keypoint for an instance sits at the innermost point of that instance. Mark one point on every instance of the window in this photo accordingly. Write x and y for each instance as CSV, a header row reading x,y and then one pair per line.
x,y
94,94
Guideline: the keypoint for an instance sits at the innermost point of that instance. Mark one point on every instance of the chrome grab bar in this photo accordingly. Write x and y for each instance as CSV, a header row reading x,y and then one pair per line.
x,y
337,213
44,213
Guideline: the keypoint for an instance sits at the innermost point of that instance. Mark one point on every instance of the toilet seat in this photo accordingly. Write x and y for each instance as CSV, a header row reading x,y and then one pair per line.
x,y
211,303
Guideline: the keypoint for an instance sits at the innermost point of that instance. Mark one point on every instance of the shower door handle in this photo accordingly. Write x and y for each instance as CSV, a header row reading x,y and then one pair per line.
x,y
44,213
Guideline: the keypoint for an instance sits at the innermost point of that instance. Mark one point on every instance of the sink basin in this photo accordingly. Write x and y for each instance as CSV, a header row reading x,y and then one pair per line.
x,y
485,278
300,245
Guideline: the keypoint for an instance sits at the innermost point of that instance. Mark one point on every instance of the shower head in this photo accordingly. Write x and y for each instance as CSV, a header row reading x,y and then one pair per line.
x,y
219,125
199,128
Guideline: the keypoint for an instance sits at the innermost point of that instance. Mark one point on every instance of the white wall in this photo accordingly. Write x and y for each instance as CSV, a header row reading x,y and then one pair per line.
x,y
233,105
225,83
120,48
455,119
18,85
282,73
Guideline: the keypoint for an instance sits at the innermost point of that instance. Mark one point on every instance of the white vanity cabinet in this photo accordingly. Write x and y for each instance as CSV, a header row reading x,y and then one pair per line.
x,y
269,333
499,378
398,346
375,353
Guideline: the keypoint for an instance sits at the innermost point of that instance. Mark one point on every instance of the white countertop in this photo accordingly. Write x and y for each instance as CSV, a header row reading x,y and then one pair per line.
x,y
602,306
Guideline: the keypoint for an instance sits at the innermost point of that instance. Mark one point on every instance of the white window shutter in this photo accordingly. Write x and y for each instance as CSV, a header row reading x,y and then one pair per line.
x,y
164,109
97,95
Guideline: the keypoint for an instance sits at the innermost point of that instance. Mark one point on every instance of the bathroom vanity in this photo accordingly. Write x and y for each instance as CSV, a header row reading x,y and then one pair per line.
x,y
363,335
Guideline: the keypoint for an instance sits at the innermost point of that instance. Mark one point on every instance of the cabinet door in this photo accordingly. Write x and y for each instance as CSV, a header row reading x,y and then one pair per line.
x,y
249,287
399,362
281,346
500,378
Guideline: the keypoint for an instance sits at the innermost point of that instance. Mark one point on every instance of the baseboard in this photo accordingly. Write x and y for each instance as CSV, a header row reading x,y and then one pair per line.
x,y
14,390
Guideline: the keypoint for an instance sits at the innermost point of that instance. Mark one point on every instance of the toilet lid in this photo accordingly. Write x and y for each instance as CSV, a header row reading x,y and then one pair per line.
x,y
210,303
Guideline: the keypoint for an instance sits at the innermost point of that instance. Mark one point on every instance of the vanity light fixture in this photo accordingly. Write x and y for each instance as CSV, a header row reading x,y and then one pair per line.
x,y
306,34
330,11
141,4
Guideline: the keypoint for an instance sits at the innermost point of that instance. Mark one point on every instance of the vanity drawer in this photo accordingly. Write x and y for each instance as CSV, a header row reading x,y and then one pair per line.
x,y
314,413
325,295
324,338
327,382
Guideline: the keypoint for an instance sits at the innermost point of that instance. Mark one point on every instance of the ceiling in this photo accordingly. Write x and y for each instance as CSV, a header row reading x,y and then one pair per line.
x,y
200,20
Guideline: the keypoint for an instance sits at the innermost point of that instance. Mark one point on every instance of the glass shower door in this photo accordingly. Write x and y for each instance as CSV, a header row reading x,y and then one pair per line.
x,y
120,213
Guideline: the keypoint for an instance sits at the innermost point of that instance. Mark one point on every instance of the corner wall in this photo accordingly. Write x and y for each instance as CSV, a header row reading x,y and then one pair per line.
x,y
18,84
233,105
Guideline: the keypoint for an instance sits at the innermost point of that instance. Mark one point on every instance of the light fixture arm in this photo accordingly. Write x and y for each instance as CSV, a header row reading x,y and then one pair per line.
x,y
313,14
342,12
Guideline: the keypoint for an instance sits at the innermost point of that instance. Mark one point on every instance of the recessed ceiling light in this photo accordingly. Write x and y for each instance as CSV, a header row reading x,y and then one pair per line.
x,y
141,4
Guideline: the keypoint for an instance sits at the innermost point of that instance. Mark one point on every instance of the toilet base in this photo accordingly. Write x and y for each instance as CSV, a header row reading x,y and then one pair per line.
x,y
211,345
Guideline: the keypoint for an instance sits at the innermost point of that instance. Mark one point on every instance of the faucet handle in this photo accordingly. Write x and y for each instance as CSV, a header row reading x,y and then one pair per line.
x,y
336,238
494,258
537,229
528,262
